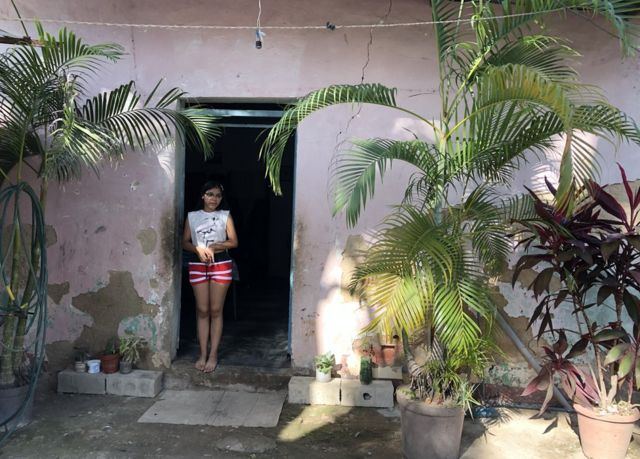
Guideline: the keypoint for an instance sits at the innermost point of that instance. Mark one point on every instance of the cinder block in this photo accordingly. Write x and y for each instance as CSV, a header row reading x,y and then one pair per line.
x,y
73,382
387,372
377,394
306,390
138,383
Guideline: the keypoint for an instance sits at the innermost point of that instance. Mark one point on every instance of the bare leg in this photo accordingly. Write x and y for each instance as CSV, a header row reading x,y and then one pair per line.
x,y
217,294
201,292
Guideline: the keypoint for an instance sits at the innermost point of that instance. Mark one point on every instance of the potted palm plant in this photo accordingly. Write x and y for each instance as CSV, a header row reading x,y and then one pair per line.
x,y
51,127
504,92
130,347
591,244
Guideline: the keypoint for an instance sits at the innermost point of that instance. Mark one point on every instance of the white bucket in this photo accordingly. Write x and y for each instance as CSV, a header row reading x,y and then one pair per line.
x,y
94,366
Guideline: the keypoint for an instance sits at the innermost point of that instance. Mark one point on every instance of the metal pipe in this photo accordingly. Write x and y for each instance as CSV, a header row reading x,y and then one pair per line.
x,y
528,356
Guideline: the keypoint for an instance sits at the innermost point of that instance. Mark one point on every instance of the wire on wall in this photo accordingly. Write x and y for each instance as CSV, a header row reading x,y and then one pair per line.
x,y
259,33
328,26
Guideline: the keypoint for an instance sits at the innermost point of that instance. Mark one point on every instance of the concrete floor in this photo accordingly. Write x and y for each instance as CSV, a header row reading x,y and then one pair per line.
x,y
84,426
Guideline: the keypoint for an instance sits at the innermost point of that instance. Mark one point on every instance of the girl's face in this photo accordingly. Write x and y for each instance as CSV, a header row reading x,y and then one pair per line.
x,y
212,198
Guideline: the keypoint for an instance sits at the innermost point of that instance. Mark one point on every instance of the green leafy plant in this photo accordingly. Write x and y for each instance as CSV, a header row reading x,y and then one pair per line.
x,y
594,251
324,362
112,346
53,128
130,348
507,95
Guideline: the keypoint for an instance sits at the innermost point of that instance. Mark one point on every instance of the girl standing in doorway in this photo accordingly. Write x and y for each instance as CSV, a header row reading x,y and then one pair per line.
x,y
209,233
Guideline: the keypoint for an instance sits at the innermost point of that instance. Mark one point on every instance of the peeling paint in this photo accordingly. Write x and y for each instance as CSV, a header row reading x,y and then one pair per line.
x,y
140,325
57,291
167,240
108,306
148,239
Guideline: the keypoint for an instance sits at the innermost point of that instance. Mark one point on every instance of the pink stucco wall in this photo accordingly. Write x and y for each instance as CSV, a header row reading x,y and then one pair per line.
x,y
98,223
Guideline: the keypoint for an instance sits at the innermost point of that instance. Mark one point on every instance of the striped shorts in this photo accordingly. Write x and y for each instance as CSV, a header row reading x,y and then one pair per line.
x,y
218,271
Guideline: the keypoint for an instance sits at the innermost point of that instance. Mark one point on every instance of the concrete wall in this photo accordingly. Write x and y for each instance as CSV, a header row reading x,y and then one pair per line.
x,y
113,262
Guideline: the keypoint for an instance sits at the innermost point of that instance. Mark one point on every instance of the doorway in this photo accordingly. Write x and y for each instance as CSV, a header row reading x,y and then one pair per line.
x,y
257,308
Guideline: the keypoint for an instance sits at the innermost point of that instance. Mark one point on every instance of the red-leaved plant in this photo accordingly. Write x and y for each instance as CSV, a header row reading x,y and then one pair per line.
x,y
594,251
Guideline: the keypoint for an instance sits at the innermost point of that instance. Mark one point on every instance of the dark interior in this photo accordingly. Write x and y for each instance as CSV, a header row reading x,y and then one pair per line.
x,y
256,313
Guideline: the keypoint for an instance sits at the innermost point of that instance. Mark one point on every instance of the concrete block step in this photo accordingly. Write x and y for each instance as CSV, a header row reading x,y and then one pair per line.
x,y
184,376
138,383
307,391
378,394
73,382
346,392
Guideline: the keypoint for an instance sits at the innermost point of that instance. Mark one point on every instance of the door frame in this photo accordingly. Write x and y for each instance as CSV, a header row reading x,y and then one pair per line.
x,y
179,184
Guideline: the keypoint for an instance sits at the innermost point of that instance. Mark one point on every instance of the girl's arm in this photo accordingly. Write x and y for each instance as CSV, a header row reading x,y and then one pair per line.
x,y
205,254
232,238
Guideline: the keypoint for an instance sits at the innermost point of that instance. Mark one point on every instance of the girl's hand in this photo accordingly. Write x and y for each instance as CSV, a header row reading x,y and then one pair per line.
x,y
216,247
205,254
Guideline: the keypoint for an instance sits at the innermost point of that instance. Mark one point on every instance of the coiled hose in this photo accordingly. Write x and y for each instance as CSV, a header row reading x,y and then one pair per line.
x,y
23,296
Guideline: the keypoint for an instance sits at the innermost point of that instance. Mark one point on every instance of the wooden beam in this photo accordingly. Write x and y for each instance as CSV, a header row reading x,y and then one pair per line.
x,y
6,40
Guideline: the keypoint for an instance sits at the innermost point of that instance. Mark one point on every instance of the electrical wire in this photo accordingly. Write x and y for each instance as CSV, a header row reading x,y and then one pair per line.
x,y
305,27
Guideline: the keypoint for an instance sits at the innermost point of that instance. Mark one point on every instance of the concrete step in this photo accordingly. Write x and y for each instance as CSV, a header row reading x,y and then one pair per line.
x,y
138,383
183,375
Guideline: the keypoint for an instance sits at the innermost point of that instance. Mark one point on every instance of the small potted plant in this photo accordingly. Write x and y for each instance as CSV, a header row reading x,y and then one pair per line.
x,y
324,365
591,244
110,358
130,348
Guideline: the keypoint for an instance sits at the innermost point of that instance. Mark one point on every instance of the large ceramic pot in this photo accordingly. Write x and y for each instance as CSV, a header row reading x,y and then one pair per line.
x,y
605,437
11,400
429,431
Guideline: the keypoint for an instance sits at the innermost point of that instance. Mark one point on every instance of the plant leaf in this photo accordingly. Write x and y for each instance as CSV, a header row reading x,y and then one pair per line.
x,y
616,353
626,364
608,335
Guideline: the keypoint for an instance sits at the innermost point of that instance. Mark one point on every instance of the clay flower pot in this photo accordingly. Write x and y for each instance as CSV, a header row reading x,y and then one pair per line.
x,y
389,354
607,436
109,363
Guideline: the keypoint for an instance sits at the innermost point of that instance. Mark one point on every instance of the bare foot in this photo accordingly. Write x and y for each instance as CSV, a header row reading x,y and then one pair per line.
x,y
210,366
200,364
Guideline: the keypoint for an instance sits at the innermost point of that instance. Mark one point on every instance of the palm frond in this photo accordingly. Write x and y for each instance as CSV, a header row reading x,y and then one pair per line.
x,y
395,302
486,228
355,170
452,304
135,126
273,147
70,54
546,55
444,14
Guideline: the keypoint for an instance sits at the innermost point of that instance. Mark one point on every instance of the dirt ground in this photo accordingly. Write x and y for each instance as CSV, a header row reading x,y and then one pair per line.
x,y
90,426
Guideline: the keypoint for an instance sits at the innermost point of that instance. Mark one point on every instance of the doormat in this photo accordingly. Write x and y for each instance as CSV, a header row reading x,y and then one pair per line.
x,y
216,408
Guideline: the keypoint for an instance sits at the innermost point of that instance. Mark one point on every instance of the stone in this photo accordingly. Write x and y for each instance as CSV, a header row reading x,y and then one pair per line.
x,y
138,383
306,390
246,443
389,372
378,394
73,382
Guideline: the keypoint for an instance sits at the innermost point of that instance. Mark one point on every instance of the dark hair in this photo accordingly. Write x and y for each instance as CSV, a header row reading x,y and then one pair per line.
x,y
209,184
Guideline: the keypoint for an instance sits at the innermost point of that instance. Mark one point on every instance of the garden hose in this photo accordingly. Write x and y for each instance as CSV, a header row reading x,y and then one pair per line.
x,y
23,292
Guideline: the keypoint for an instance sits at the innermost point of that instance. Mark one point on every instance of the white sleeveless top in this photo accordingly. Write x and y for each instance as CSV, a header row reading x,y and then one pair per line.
x,y
208,227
